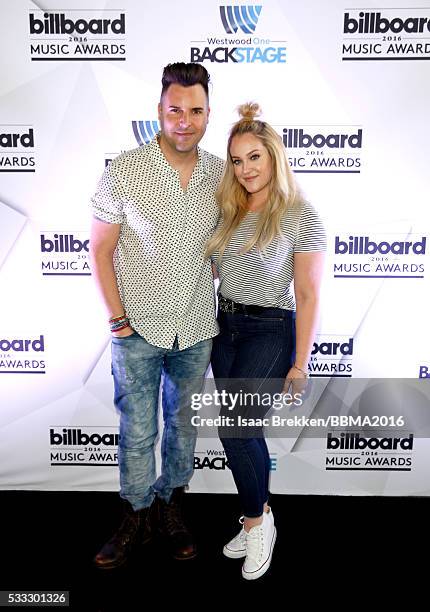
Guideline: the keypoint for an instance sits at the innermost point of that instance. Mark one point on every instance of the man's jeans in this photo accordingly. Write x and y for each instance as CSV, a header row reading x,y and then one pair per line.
x,y
137,367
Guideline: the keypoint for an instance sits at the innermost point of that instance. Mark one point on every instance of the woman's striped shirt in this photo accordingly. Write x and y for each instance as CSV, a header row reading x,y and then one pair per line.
x,y
265,279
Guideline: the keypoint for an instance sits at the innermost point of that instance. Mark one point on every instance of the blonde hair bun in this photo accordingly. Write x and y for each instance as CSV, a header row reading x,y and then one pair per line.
x,y
249,111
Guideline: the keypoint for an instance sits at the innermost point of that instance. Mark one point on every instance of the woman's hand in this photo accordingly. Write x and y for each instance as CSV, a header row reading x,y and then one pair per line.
x,y
295,382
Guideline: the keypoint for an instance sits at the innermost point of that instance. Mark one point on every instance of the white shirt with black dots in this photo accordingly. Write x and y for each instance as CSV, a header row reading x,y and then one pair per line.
x,y
165,284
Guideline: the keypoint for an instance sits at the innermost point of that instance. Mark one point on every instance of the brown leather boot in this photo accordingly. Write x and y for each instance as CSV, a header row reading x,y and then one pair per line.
x,y
135,529
173,529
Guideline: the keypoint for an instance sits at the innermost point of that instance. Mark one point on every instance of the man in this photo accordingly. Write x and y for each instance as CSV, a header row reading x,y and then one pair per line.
x,y
153,213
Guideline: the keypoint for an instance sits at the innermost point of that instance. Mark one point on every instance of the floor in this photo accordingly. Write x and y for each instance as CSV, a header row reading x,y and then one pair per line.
x,y
324,543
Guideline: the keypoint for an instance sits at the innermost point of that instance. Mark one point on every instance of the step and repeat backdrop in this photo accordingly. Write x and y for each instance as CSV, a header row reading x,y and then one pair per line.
x,y
348,90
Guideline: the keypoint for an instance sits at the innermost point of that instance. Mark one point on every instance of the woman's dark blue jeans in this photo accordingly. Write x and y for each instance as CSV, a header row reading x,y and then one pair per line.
x,y
258,350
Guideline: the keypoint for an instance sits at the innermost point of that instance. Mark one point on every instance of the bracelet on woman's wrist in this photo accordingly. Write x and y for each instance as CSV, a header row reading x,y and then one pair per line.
x,y
305,374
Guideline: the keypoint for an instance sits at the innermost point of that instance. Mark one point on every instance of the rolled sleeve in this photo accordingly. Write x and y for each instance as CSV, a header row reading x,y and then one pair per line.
x,y
107,204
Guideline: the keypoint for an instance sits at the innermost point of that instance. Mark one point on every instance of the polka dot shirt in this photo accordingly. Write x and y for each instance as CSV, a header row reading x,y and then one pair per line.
x,y
165,284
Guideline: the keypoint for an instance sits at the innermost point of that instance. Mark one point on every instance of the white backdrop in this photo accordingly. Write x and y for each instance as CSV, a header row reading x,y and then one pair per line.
x,y
349,91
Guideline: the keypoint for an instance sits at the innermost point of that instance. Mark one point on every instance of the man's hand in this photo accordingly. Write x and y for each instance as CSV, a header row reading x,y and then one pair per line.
x,y
123,333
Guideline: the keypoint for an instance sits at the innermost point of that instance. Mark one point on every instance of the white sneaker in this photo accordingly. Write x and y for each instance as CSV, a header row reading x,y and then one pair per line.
x,y
259,548
236,548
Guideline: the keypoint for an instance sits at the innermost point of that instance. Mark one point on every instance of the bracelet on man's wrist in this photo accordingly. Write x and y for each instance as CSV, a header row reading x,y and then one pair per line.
x,y
122,316
305,374
118,323
120,328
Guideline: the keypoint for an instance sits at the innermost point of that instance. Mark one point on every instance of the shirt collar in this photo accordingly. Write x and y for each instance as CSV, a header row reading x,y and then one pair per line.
x,y
157,156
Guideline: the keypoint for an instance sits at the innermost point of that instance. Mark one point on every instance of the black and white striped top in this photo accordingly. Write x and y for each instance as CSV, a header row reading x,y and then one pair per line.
x,y
265,279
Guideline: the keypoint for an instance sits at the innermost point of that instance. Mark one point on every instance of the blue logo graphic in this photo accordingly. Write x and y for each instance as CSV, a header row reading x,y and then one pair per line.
x,y
424,372
273,463
243,17
145,131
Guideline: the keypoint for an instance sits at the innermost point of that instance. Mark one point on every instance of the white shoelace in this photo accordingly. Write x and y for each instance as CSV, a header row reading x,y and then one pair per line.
x,y
255,543
242,536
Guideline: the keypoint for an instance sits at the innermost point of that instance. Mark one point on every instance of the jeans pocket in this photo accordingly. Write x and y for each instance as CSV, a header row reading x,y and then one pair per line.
x,y
125,356
123,338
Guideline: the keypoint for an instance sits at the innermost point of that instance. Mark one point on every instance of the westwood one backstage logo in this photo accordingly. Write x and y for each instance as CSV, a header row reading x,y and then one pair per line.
x,y
77,35
216,460
386,34
242,45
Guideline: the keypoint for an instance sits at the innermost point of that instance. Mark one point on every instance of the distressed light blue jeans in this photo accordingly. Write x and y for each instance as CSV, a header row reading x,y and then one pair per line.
x,y
137,368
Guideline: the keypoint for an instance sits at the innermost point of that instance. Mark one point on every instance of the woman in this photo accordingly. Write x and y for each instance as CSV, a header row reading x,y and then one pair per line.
x,y
268,236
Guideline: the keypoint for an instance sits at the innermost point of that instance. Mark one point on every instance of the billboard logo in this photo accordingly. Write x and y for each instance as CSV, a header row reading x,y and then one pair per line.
x,y
57,23
297,138
83,445
22,345
362,245
396,33
13,140
332,357
243,17
145,131
379,256
333,348
63,243
321,149
373,23
75,35
77,437
13,144
352,451
28,362
64,254
353,441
